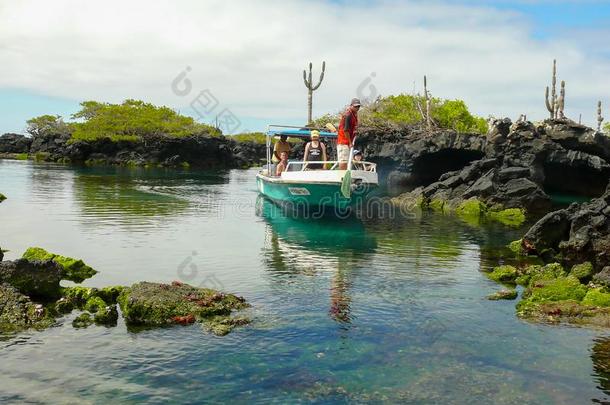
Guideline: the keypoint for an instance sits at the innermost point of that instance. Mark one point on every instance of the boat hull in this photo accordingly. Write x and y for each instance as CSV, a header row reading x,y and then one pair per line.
x,y
307,195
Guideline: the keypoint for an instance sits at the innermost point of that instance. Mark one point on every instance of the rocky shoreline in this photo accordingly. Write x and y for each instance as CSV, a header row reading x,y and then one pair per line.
x,y
202,151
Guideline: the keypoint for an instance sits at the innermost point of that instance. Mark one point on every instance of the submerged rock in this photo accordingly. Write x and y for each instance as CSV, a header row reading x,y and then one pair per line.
x,y
39,279
503,295
154,304
72,269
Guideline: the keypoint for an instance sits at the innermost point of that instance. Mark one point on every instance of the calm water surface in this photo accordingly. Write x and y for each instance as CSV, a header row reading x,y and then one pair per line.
x,y
384,310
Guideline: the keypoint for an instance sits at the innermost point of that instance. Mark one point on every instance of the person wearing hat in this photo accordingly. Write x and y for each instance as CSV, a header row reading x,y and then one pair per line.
x,y
357,160
315,151
347,130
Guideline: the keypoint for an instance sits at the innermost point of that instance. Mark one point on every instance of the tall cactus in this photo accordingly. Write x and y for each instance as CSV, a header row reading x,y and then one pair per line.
x,y
600,119
311,88
427,95
555,104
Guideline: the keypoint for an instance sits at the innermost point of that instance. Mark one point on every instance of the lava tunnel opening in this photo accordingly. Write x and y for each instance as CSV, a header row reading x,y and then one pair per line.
x,y
574,180
428,168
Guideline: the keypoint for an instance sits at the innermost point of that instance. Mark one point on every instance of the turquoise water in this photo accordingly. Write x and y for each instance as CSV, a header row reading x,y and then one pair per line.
x,y
381,310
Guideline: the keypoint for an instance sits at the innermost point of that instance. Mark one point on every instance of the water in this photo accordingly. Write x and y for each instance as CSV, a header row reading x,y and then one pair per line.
x,y
385,310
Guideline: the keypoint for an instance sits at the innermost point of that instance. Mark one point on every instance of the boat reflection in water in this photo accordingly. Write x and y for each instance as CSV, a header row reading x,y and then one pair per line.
x,y
305,246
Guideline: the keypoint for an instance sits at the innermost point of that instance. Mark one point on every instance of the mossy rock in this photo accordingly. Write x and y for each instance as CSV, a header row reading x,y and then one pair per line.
x,y
154,304
107,316
597,297
18,312
2,197
439,205
42,156
79,296
547,272
503,274
95,304
36,279
510,216
557,289
582,271
73,269
84,320
472,208
516,247
503,295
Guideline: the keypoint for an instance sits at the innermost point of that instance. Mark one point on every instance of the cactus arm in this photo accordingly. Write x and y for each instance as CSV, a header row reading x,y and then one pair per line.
x,y
547,102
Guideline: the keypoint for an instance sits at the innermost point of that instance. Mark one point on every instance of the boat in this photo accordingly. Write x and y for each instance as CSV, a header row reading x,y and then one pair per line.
x,y
299,187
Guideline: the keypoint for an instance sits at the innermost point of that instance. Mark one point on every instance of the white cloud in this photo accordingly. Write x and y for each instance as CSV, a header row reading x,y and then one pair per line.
x,y
251,54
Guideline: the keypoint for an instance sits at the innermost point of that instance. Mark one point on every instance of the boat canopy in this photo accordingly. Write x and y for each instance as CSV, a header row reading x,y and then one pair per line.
x,y
300,133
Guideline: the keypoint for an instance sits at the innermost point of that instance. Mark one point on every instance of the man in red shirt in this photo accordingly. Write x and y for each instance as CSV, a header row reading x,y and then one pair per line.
x,y
347,129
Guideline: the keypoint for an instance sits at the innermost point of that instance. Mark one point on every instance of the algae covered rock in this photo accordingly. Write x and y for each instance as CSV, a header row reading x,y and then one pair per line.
x,y
2,197
83,320
503,274
18,312
38,279
582,271
503,295
72,269
155,304
107,316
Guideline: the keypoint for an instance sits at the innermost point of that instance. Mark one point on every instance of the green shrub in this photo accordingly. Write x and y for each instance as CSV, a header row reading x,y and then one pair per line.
x,y
405,109
133,120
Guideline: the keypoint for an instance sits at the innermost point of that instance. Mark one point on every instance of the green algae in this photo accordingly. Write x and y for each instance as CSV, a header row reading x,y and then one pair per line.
x,y
597,297
503,274
107,316
471,208
516,247
84,320
42,156
582,271
154,304
21,156
94,304
503,295
439,205
73,269
510,216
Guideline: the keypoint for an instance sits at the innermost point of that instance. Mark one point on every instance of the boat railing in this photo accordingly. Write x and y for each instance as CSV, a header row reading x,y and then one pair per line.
x,y
295,166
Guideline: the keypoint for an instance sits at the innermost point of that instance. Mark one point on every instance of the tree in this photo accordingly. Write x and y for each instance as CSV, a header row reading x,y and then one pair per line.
x,y
47,125
607,128
133,120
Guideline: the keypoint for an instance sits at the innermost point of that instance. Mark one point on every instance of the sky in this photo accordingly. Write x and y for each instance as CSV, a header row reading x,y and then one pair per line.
x,y
241,62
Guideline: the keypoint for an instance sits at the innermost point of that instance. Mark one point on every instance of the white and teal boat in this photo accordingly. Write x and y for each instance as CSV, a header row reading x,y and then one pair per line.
x,y
300,187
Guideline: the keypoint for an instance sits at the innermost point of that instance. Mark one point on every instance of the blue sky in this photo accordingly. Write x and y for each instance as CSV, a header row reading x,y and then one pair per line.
x,y
65,55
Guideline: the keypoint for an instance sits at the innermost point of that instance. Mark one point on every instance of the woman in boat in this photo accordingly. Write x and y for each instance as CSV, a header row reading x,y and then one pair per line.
x,y
315,151
281,166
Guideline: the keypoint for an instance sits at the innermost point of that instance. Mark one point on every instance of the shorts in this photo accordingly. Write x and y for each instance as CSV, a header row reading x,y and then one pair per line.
x,y
342,153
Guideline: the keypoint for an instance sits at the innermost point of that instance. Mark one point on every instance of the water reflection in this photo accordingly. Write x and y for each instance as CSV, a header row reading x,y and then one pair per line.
x,y
308,246
144,197
600,355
